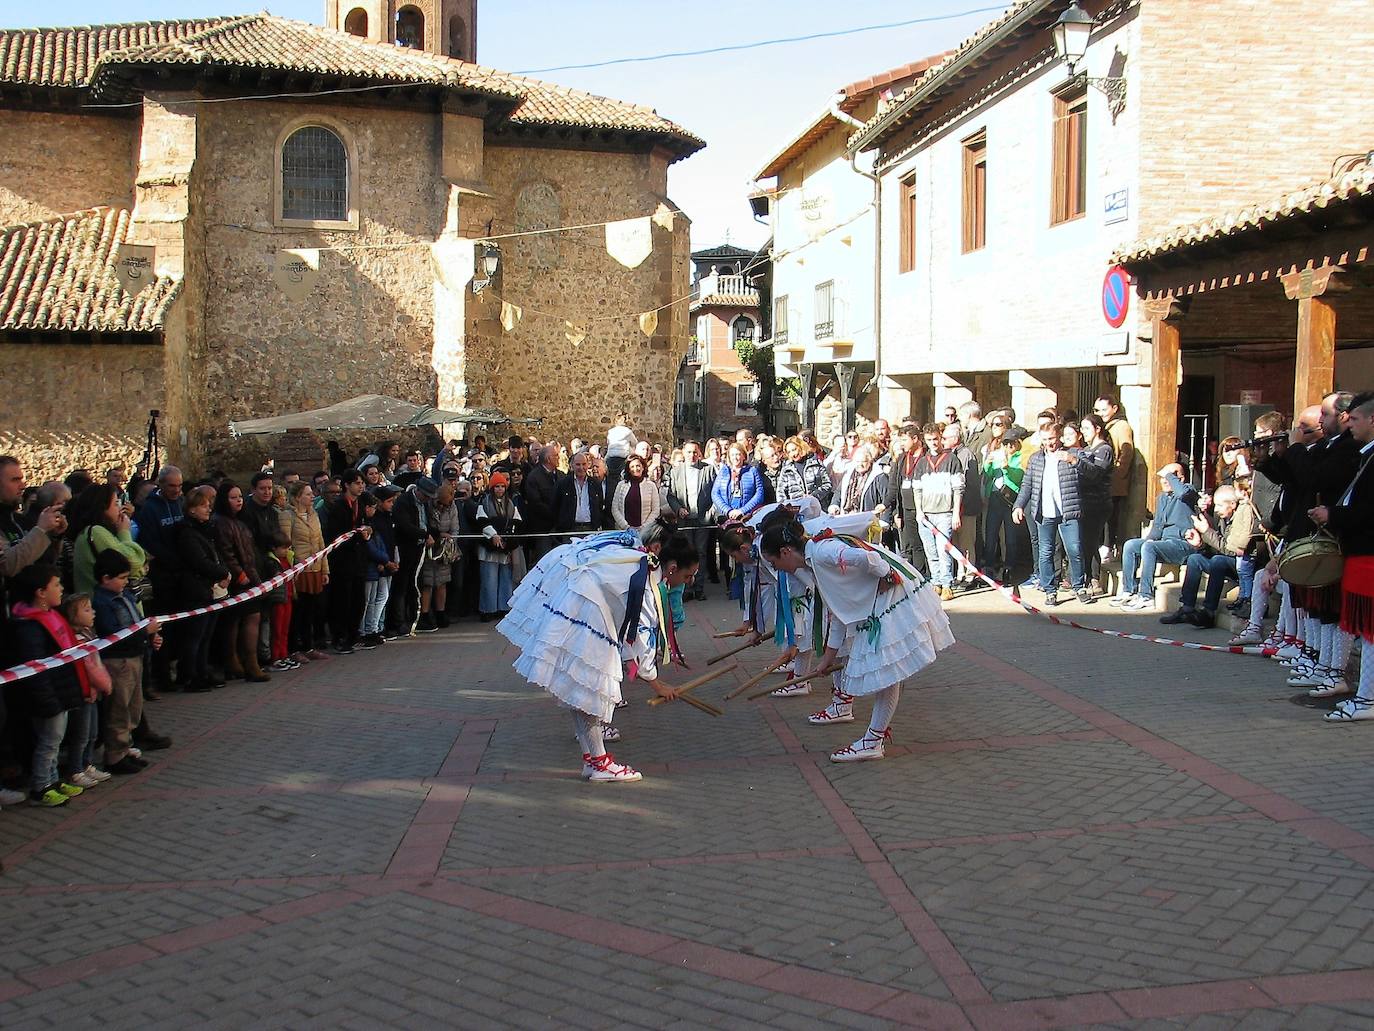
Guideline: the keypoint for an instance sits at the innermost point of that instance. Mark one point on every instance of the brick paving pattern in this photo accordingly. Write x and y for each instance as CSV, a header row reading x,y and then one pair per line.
x,y
1069,832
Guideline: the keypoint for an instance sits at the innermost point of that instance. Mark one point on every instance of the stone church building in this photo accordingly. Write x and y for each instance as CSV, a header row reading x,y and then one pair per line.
x,y
223,141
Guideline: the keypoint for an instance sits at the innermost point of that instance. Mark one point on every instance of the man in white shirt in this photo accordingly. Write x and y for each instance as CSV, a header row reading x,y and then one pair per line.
x,y
689,498
580,503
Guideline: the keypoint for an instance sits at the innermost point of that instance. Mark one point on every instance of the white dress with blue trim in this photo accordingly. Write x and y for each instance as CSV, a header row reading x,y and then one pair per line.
x,y
890,632
569,625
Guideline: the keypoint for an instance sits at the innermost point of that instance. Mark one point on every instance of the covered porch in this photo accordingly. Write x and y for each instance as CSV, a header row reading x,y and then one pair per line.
x,y
1268,308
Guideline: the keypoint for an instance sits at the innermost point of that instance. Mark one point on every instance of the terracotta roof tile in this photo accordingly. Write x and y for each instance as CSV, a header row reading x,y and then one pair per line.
x,y
67,56
59,275
109,58
1356,183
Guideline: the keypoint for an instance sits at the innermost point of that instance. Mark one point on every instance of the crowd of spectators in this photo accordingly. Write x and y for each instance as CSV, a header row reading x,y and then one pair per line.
x,y
447,532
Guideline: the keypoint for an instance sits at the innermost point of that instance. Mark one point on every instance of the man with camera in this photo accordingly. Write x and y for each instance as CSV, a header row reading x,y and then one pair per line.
x,y
1313,468
1351,518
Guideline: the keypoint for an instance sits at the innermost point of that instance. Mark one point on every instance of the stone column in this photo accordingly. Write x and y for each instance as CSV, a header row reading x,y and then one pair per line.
x,y
1029,395
894,401
1314,376
951,391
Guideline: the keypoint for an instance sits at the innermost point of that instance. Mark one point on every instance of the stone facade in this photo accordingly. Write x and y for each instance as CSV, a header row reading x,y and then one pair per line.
x,y
380,317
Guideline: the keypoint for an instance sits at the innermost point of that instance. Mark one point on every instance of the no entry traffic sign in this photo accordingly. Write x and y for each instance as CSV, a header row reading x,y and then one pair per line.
x,y
1116,296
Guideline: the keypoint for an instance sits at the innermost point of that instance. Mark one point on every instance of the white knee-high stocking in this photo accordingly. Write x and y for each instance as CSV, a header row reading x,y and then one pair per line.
x,y
884,708
589,733
1366,691
1341,643
1259,603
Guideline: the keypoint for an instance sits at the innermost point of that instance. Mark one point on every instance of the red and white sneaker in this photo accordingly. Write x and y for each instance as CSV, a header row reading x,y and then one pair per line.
x,y
789,689
835,712
868,747
604,769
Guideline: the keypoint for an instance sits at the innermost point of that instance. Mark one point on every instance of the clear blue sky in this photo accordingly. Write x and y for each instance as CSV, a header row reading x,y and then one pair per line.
x,y
744,104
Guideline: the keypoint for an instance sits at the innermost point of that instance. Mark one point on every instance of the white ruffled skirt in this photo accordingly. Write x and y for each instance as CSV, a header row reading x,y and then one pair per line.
x,y
912,630
527,602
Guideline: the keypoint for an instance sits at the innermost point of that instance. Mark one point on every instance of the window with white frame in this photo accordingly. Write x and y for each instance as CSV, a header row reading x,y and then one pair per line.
x,y
780,320
825,310
746,396
742,330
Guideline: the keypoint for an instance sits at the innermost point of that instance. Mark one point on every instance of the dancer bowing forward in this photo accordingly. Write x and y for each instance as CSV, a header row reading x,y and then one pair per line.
x,y
596,610
883,621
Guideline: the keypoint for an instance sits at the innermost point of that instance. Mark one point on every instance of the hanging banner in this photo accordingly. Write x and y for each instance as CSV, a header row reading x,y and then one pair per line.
x,y
663,217
135,266
575,334
648,322
630,241
454,262
510,315
296,271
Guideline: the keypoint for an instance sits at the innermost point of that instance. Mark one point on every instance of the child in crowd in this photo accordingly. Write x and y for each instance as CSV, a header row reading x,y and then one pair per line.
x,y
116,607
40,631
279,602
83,724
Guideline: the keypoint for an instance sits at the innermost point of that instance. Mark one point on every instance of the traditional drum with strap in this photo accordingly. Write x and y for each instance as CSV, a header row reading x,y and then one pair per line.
x,y
1314,561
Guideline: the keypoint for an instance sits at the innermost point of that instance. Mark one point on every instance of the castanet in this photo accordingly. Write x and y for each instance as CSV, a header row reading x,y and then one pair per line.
x,y
734,651
700,681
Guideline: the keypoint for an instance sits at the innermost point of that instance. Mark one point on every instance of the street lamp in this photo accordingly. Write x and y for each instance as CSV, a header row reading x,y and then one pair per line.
x,y
486,270
1071,34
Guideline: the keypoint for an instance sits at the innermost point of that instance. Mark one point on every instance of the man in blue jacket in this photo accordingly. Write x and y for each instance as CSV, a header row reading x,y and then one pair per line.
x,y
1171,521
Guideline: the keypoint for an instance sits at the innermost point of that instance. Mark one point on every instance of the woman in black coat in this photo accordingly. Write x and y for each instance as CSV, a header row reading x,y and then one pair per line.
x,y
1095,479
202,570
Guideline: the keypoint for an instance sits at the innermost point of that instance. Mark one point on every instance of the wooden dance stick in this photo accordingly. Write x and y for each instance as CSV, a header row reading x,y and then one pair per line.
x,y
755,680
732,633
733,651
705,707
692,685
791,683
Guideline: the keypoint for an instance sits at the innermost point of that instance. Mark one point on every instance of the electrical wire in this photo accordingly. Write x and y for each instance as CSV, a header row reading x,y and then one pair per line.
x,y
757,44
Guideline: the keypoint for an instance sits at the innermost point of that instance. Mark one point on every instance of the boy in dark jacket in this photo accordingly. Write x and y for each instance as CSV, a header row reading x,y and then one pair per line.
x,y
40,631
382,563
117,607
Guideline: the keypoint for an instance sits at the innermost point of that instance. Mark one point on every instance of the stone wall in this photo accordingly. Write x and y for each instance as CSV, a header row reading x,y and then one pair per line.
x,y
53,428
368,326
52,164
534,370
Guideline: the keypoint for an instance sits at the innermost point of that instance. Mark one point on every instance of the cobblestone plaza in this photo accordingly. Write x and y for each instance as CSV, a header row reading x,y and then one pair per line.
x,y
1069,831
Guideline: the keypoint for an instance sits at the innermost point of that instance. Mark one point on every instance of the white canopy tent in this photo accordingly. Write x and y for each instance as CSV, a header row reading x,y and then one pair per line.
x,y
373,411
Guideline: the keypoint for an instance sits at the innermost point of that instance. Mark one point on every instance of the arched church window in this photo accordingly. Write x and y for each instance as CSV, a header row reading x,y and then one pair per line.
x,y
410,27
356,22
315,176
458,39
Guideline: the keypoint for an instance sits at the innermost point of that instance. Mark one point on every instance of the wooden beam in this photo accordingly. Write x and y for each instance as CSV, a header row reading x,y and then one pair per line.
x,y
1164,314
1314,377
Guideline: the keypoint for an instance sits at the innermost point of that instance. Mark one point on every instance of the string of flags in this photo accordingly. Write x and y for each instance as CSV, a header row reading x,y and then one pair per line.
x,y
454,261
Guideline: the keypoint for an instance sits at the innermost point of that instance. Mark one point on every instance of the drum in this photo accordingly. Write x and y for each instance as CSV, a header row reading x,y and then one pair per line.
x,y
1314,561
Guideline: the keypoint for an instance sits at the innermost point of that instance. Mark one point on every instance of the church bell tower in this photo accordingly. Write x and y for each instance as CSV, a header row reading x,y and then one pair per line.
x,y
444,27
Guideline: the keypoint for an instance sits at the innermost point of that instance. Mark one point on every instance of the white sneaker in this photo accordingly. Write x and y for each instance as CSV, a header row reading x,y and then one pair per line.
x,y
835,712
609,733
8,797
1330,688
791,690
604,769
97,775
81,780
870,746
1118,601
1308,676
1250,635
1139,603
1352,710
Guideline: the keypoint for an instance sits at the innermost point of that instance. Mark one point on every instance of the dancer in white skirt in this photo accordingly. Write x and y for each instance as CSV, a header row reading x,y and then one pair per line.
x,y
596,609
764,587
882,619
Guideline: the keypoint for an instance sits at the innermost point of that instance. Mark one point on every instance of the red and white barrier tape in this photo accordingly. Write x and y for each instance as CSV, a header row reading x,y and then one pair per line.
x,y
80,651
1014,596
